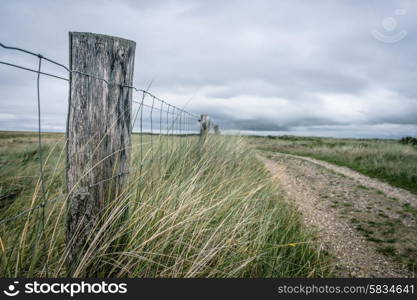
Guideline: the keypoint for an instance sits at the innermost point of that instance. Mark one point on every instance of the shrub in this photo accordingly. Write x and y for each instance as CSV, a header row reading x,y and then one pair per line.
x,y
409,140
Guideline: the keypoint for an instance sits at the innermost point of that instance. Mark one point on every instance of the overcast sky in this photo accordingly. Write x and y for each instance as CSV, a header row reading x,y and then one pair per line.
x,y
334,68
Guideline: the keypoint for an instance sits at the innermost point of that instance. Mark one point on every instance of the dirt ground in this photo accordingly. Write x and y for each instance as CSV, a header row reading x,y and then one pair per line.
x,y
368,227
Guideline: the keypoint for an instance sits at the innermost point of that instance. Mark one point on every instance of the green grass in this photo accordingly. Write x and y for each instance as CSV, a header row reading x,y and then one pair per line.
x,y
192,212
387,160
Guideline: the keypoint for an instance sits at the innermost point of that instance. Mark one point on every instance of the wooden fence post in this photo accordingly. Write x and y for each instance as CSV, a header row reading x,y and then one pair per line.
x,y
216,129
204,127
98,130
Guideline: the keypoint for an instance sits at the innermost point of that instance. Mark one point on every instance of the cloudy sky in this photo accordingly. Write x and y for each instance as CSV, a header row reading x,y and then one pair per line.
x,y
333,68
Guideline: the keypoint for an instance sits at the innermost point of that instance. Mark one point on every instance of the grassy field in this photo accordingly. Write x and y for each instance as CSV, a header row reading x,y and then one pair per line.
x,y
387,160
191,213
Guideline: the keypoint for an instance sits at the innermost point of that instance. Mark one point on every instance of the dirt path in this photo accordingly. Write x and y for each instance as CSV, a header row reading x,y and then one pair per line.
x,y
368,227
389,190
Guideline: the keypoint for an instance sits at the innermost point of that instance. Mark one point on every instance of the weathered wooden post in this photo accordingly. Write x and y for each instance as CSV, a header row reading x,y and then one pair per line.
x,y
98,130
216,129
204,127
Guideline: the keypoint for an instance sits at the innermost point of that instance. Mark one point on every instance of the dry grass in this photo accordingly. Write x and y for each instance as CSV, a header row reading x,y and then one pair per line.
x,y
191,213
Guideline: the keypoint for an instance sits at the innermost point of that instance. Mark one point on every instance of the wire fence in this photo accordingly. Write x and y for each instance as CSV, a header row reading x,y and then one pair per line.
x,y
158,127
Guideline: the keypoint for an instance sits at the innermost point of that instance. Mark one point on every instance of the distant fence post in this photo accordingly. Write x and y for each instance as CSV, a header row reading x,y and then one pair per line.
x,y
204,127
216,129
98,130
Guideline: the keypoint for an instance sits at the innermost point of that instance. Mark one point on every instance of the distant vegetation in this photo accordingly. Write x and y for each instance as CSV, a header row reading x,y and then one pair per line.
x,y
408,140
209,212
389,160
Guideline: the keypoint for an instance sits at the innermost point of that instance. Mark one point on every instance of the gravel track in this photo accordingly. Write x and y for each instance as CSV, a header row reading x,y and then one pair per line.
x,y
330,197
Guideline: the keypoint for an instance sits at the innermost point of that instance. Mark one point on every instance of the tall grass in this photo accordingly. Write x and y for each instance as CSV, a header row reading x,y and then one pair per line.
x,y
192,212
387,160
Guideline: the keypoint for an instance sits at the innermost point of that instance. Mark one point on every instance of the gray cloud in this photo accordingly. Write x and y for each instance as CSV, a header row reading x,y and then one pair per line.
x,y
288,66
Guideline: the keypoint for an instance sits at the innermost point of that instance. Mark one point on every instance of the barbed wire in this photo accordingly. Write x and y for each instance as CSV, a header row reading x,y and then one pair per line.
x,y
178,122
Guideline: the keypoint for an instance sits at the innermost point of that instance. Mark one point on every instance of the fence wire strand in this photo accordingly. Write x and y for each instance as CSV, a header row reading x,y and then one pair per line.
x,y
175,124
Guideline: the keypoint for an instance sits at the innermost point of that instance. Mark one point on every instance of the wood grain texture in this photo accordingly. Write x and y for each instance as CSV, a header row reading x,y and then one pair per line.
x,y
98,127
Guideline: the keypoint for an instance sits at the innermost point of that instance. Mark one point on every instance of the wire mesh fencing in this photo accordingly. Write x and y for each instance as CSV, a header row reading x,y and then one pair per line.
x,y
158,127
